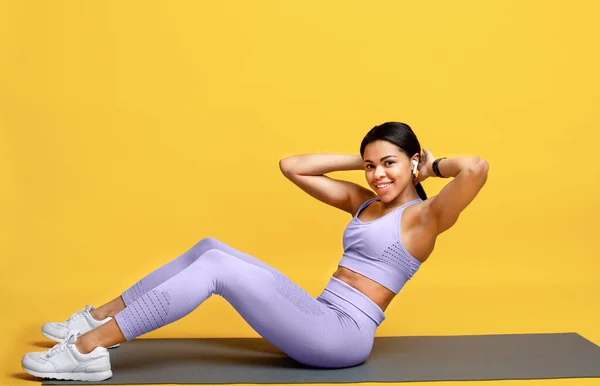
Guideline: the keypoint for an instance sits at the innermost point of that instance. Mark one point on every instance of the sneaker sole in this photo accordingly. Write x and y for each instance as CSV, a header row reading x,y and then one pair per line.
x,y
100,376
60,340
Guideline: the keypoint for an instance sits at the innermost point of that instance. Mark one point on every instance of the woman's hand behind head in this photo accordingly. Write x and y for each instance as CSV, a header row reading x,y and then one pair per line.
x,y
425,166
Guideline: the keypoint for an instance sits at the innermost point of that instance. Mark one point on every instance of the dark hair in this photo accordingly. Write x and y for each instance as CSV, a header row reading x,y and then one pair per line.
x,y
401,135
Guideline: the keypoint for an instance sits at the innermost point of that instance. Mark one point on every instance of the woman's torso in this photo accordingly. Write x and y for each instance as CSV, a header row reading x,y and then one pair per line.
x,y
410,234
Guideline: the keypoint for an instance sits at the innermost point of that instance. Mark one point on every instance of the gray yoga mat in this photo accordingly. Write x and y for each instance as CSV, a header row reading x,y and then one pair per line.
x,y
393,359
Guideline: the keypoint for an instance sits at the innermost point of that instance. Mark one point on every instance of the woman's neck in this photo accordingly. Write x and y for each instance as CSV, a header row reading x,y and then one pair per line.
x,y
407,195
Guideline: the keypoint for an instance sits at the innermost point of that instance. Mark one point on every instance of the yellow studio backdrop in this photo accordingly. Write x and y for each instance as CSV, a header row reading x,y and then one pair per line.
x,y
131,130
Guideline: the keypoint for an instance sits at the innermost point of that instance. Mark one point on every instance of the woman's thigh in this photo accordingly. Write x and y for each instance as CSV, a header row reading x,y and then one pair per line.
x,y
308,330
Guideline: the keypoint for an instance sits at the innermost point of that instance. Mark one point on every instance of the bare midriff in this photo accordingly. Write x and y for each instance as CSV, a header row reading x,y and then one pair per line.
x,y
371,289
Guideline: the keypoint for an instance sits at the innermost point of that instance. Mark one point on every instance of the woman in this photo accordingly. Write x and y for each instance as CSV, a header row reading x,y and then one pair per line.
x,y
393,230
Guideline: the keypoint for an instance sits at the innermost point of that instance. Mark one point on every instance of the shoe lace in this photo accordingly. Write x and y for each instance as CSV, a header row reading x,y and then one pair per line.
x,y
60,347
56,349
76,315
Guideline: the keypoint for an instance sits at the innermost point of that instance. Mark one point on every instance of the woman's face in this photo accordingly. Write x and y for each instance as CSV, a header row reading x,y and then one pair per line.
x,y
388,170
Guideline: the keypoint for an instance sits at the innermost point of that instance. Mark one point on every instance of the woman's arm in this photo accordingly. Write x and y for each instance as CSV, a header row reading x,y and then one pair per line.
x,y
470,174
308,171
319,164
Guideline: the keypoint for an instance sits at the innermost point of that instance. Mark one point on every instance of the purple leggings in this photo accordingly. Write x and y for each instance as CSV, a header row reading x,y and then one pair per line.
x,y
335,330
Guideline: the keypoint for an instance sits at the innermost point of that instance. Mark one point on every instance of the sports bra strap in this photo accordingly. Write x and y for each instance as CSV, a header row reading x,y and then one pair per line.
x,y
364,205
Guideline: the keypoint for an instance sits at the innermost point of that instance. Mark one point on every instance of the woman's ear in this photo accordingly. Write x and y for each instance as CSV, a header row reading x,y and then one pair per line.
x,y
417,157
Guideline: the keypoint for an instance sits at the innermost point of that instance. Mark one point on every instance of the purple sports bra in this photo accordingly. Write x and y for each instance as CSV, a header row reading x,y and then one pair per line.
x,y
374,248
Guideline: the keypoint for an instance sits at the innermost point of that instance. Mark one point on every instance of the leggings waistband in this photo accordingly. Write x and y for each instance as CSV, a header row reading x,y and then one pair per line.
x,y
337,289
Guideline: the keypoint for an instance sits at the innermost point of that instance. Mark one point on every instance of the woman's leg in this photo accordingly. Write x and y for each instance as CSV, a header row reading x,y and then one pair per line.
x,y
167,271
308,330
109,309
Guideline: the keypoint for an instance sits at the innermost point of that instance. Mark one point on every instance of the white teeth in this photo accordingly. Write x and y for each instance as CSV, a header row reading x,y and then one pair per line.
x,y
383,186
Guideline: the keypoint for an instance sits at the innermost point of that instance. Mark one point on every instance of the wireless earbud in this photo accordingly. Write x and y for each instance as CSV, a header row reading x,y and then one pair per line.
x,y
415,167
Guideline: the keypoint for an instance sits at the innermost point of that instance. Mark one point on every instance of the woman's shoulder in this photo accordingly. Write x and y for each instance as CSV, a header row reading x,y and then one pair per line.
x,y
361,199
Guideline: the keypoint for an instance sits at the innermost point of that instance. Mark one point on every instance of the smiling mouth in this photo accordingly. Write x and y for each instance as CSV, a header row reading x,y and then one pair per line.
x,y
383,186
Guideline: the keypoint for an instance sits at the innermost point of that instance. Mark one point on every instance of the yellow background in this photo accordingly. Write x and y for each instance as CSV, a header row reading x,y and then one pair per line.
x,y
131,130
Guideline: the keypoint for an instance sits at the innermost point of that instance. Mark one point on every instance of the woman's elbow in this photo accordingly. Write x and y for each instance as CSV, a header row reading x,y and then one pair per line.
x,y
477,168
285,165
480,168
482,165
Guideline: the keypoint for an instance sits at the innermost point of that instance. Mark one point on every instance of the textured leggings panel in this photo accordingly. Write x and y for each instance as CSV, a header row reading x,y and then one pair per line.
x,y
313,332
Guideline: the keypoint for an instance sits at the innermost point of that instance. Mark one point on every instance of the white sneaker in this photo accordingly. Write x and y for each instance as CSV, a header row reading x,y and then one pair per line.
x,y
64,361
81,321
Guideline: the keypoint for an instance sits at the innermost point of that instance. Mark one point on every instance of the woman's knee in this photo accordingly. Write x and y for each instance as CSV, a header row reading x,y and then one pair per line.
x,y
213,257
198,249
207,243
